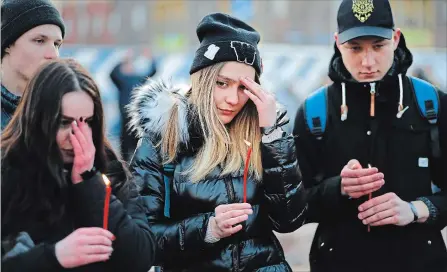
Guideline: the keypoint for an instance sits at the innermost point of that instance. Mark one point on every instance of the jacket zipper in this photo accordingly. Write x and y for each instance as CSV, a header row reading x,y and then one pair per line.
x,y
372,122
230,189
234,247
372,114
372,108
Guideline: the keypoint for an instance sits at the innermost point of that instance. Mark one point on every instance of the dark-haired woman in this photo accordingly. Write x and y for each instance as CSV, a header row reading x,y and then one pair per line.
x,y
54,151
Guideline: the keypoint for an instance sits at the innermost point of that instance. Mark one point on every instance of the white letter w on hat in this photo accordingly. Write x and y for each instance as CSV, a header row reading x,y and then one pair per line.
x,y
245,52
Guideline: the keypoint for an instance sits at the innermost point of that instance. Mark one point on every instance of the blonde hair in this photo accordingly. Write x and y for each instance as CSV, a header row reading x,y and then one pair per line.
x,y
224,144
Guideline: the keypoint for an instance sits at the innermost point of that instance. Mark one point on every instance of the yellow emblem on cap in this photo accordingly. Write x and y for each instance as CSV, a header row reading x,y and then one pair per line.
x,y
362,9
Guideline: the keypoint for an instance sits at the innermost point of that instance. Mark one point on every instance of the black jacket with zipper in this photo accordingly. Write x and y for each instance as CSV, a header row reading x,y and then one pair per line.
x,y
278,201
395,146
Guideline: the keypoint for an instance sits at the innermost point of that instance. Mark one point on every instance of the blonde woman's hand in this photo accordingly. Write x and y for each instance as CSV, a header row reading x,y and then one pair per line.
x,y
265,102
227,219
84,246
83,148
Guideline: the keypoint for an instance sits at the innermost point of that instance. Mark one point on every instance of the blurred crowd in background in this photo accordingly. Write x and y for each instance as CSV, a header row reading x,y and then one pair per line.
x,y
157,38
124,42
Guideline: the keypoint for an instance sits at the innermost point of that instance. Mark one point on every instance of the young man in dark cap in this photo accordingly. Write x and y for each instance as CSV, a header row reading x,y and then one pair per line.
x,y
32,32
369,146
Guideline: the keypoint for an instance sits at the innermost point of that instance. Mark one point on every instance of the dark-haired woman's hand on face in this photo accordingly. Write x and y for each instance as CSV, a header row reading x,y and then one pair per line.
x,y
264,101
84,149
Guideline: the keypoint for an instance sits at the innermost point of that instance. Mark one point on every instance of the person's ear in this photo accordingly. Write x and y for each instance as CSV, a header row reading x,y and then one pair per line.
x,y
336,40
396,38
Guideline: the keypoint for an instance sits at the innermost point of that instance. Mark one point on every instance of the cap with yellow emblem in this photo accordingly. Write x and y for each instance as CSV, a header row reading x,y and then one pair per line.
x,y
360,18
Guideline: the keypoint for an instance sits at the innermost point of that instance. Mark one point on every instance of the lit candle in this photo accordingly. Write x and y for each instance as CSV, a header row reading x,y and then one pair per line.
x,y
369,197
247,163
106,202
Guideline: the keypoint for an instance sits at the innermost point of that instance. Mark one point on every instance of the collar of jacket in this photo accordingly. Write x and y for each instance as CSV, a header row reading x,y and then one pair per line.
x,y
9,101
387,91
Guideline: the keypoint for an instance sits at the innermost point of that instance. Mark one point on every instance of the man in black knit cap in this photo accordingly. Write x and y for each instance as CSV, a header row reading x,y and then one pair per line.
x,y
31,32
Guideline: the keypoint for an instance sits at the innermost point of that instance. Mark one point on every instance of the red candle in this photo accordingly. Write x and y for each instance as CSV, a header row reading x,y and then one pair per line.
x,y
106,202
247,163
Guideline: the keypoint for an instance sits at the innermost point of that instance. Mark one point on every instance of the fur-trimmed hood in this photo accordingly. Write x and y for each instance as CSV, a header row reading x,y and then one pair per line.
x,y
151,106
150,109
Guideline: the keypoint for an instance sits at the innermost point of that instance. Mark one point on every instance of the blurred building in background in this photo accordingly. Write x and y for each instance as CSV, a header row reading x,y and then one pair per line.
x,y
169,25
296,46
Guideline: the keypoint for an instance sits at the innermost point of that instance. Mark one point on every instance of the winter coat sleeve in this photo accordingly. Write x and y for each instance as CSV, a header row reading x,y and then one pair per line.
x,y
127,222
39,258
439,171
177,239
283,189
325,201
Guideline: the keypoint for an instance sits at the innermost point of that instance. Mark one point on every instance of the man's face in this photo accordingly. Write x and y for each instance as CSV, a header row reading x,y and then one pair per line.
x,y
35,47
368,59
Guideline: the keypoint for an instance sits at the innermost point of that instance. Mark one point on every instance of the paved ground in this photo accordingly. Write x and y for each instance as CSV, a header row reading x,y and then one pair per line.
x,y
297,246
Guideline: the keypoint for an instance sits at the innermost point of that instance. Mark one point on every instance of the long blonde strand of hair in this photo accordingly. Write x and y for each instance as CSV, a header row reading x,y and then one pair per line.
x,y
170,140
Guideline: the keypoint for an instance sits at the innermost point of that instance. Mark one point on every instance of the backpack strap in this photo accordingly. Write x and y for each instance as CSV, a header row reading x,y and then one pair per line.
x,y
315,112
428,103
427,99
168,175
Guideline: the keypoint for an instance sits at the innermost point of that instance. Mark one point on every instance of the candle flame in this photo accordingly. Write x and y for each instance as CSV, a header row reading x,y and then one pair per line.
x,y
247,142
369,165
106,180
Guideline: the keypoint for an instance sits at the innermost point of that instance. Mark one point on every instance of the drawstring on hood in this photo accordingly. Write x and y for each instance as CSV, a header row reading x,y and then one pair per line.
x,y
344,107
401,109
339,74
401,94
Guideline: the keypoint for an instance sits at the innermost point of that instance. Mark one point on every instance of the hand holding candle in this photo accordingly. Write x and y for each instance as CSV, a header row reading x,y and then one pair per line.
x,y
247,164
357,181
229,218
106,202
